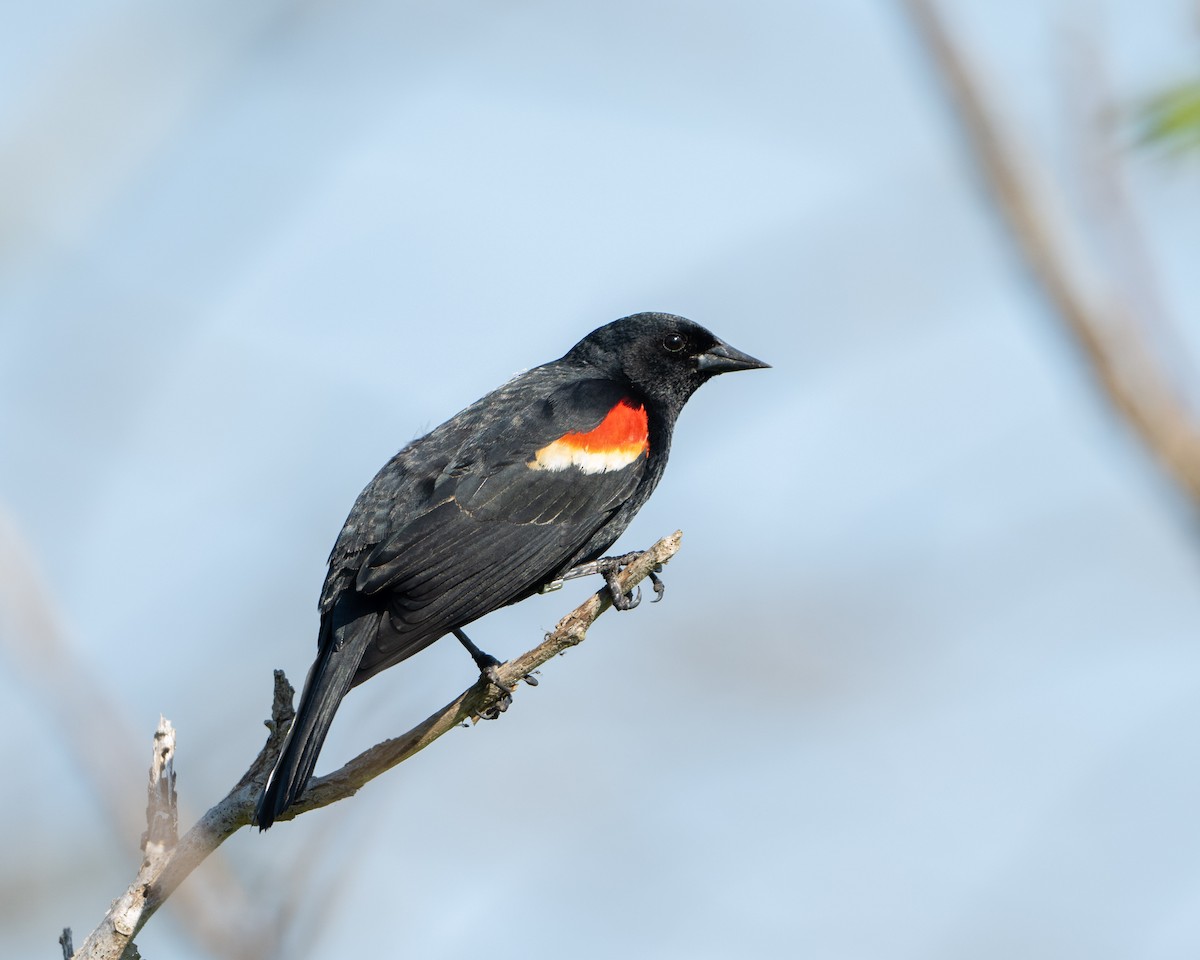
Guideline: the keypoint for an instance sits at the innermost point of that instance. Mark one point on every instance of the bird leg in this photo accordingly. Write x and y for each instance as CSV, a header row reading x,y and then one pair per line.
x,y
609,567
488,665
489,669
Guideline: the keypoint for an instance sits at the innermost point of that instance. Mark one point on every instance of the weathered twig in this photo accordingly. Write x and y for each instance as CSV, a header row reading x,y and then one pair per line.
x,y
1135,382
158,843
166,867
162,803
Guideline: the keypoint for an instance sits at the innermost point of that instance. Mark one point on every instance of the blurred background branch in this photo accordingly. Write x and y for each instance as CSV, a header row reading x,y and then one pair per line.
x,y
93,729
1138,384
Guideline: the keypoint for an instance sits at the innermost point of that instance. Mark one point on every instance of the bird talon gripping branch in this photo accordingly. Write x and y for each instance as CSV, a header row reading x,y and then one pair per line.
x,y
493,711
492,675
525,488
622,601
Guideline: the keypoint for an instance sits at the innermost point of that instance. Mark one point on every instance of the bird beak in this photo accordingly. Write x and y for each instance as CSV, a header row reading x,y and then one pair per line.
x,y
723,358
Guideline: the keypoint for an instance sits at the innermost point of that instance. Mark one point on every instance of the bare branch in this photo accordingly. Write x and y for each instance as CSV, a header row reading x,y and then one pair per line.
x,y
163,869
1134,381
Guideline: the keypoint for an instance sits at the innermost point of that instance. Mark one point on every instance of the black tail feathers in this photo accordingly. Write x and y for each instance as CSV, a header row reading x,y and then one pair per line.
x,y
331,676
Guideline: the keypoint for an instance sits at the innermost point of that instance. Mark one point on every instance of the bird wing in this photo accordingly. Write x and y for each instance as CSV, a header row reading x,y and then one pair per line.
x,y
513,505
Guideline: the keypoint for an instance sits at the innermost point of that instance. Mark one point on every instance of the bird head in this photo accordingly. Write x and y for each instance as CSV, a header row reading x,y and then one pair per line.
x,y
665,357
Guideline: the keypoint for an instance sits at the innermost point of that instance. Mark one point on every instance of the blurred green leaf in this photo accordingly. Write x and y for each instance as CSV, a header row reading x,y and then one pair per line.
x,y
1172,118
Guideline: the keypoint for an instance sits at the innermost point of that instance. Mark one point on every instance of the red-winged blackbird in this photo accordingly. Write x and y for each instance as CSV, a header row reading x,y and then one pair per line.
x,y
506,496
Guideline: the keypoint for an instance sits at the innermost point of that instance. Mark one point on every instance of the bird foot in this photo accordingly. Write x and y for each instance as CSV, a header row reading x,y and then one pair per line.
x,y
609,567
489,671
622,601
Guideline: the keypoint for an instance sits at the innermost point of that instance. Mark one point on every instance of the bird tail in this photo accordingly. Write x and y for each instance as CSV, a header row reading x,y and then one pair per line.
x,y
343,642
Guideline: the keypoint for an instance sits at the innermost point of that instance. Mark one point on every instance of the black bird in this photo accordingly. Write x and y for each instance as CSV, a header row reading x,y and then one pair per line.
x,y
533,479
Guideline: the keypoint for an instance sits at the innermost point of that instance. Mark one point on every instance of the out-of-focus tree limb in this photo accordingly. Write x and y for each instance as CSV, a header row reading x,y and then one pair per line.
x,y
1132,378
1095,134
164,868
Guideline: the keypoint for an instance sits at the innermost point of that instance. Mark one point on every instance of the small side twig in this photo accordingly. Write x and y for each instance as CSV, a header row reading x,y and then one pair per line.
x,y
166,866
162,803
113,938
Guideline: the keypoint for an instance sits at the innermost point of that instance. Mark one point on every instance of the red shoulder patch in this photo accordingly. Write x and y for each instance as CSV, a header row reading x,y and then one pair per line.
x,y
624,426
617,441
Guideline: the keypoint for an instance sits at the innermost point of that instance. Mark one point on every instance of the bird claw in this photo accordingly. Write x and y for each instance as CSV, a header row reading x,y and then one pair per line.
x,y
609,567
622,601
493,711
627,601
491,674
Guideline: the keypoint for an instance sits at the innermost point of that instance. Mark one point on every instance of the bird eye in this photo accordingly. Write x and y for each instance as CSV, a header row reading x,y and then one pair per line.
x,y
673,342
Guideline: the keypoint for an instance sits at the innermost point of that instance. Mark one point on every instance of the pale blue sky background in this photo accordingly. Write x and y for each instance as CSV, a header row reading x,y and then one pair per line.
x,y
926,681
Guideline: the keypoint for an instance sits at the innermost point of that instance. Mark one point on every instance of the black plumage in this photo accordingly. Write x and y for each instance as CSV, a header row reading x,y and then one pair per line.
x,y
472,517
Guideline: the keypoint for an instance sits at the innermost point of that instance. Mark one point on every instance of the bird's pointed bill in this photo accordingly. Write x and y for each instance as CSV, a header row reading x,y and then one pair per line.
x,y
722,358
